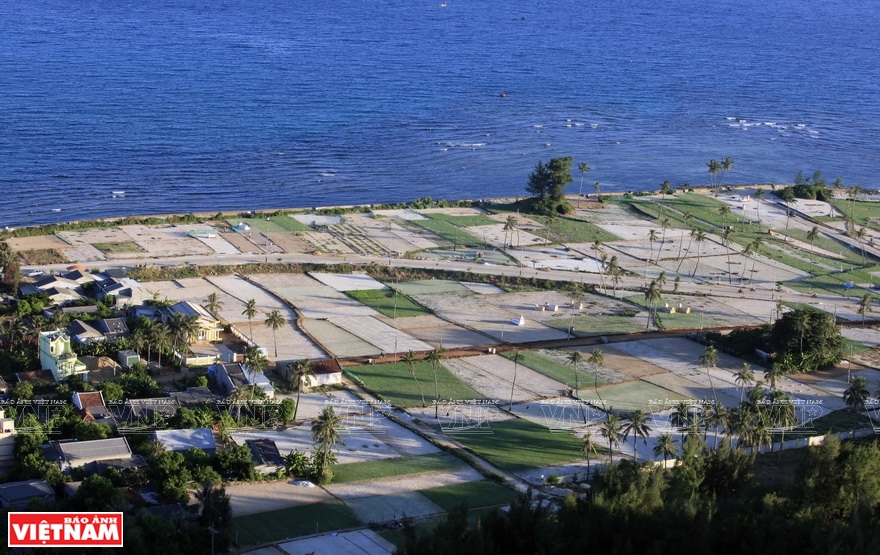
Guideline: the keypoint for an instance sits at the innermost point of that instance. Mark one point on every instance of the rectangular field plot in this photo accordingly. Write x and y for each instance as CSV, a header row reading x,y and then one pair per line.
x,y
383,336
634,395
430,286
448,336
395,383
348,282
554,368
382,508
389,302
518,445
475,494
492,376
293,522
311,297
338,341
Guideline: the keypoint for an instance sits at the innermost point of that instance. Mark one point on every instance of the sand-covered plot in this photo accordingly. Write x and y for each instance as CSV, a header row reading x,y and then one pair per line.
x,y
390,235
563,413
348,282
403,484
291,343
405,214
385,507
483,288
289,242
492,376
217,243
311,297
248,499
165,240
438,332
482,312
497,237
430,286
313,220
311,404
356,542
338,341
386,338
627,366
38,242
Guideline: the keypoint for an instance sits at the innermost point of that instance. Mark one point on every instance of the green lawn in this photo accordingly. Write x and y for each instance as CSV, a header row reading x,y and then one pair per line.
x,y
389,302
563,373
293,522
289,223
476,494
394,383
835,282
863,213
571,230
828,244
452,233
259,224
371,470
463,221
633,395
517,445
594,324
116,248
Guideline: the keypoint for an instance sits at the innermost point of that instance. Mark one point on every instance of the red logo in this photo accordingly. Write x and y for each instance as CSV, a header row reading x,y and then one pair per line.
x,y
65,529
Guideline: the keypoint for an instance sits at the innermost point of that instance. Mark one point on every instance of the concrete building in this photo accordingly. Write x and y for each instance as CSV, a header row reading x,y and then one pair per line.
x,y
183,440
57,356
18,495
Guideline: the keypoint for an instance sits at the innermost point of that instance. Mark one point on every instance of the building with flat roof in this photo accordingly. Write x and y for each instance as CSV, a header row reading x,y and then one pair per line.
x,y
57,356
183,440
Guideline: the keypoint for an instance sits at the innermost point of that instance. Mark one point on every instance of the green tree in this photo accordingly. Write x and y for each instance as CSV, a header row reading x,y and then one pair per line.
x,y
255,363
596,359
275,321
714,170
588,449
652,236
296,463
286,410
744,377
213,304
611,431
250,312
548,182
809,336
864,307
666,447
302,372
410,360
788,197
236,462
856,394
583,167
326,434
652,297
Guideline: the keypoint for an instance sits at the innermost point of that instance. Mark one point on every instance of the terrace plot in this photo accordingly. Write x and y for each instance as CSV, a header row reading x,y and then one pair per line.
x,y
289,242
382,508
315,220
337,341
438,332
80,247
404,484
563,413
390,235
690,390
386,338
165,240
557,258
765,269
644,249
492,376
290,342
252,498
348,282
627,367
481,313
454,211
311,297
38,243
216,243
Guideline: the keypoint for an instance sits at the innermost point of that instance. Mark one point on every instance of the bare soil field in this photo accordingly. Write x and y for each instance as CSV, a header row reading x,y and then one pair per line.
x,y
492,376
289,242
404,484
386,338
348,282
390,235
311,297
356,542
238,241
39,242
253,498
325,243
338,341
163,241
217,244
438,332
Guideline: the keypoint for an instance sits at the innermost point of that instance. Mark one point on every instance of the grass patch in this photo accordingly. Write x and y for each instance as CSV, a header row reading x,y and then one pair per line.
x,y
571,230
517,445
452,233
394,383
372,470
839,421
476,494
595,324
863,213
263,225
118,248
292,522
289,223
835,283
389,302
563,373
637,394
463,221
42,256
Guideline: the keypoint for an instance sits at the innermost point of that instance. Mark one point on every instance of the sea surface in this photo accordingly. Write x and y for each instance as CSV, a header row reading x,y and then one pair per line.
x,y
187,105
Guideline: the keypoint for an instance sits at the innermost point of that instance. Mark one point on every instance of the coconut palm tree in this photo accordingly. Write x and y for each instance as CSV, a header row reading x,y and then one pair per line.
x,y
864,307
161,338
275,321
637,425
687,251
709,359
788,197
726,166
575,359
856,394
410,359
743,377
664,224
777,370
687,216
812,235
596,359
434,357
255,362
652,236
516,356
652,297
699,237
183,330
213,304
726,237
661,281
611,430
615,272
603,264
326,434
860,234
725,212
509,227
666,447
299,378
680,418
756,245
250,312
714,169
588,449
759,196
584,168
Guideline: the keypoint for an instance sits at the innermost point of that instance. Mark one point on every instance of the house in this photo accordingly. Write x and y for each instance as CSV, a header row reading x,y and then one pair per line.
x,y
231,375
209,327
147,409
126,291
84,333
93,455
326,372
128,358
18,495
49,312
57,356
112,328
7,439
80,276
35,376
101,369
193,397
91,405
265,454
60,295
183,440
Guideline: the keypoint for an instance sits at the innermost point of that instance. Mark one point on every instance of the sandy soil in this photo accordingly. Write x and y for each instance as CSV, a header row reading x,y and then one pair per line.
x,y
492,376
253,498
40,242
357,542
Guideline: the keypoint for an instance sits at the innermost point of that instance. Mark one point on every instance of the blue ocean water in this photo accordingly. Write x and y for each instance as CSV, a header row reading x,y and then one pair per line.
x,y
249,104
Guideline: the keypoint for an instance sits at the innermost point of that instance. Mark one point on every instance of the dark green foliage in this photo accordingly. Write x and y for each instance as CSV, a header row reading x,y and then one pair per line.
x,y
741,341
137,384
547,184
814,187
235,463
809,337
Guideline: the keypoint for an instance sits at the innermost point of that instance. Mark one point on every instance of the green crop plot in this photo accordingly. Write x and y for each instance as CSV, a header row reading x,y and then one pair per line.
x,y
389,302
394,383
517,445
293,522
